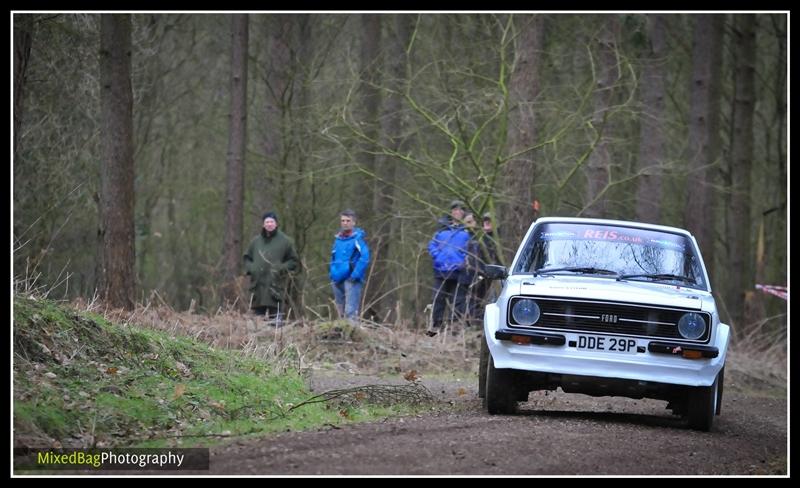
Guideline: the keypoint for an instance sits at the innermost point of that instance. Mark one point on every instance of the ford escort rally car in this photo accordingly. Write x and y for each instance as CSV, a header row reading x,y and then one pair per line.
x,y
605,308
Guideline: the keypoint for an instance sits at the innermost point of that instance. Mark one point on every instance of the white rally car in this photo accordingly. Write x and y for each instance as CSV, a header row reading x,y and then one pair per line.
x,y
605,307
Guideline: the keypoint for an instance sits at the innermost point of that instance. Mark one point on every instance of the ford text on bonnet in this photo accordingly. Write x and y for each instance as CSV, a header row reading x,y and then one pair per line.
x,y
605,307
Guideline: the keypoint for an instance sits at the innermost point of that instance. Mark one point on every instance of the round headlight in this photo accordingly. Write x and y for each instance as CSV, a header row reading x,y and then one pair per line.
x,y
525,312
692,326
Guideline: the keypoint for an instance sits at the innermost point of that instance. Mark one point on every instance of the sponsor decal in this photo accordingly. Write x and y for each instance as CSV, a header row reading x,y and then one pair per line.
x,y
610,235
666,243
556,235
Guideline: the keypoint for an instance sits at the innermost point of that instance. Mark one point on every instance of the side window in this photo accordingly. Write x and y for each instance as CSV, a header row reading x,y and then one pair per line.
x,y
695,270
525,260
537,256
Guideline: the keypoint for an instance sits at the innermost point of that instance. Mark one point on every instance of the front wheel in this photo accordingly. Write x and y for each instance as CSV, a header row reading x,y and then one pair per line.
x,y
721,381
501,394
702,405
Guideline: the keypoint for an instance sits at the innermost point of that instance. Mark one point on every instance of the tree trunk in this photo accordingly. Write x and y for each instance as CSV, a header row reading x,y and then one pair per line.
x,y
739,223
598,164
117,171
23,35
652,135
704,138
298,149
303,65
524,88
382,294
776,254
237,132
370,105
277,99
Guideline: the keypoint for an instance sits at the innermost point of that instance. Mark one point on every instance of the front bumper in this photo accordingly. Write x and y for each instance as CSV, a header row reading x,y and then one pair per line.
x,y
650,363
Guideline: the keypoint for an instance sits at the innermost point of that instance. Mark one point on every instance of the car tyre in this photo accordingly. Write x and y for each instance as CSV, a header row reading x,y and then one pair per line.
x,y
703,405
501,392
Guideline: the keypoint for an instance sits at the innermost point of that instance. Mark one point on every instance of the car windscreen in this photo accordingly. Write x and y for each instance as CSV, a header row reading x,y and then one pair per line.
x,y
612,251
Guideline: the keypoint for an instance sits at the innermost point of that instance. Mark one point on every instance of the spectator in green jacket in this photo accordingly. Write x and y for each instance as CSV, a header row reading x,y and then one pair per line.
x,y
269,260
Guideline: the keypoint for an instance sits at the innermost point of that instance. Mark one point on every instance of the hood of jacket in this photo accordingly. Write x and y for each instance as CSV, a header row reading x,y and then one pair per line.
x,y
443,223
357,232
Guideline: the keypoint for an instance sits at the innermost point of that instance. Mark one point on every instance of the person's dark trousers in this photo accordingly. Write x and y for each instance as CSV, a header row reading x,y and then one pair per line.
x,y
444,290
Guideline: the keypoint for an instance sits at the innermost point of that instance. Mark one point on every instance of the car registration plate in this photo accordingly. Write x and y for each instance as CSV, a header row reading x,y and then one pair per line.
x,y
606,344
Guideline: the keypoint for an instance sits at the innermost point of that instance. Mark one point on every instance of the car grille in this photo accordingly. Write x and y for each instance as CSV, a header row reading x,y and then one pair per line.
x,y
610,318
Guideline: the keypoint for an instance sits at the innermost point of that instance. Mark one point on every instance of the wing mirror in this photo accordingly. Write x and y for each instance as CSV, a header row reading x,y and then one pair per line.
x,y
495,272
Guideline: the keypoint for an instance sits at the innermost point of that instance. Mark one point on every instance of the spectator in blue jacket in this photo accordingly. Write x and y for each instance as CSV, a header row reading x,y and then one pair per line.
x,y
349,263
449,250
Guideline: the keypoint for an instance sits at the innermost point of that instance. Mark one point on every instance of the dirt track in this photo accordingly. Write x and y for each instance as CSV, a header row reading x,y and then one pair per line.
x,y
554,434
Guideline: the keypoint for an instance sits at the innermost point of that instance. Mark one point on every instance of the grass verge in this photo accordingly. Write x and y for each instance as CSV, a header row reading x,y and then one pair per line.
x,y
82,381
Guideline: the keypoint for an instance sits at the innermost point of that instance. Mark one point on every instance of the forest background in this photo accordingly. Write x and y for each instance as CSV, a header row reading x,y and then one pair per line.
x,y
147,146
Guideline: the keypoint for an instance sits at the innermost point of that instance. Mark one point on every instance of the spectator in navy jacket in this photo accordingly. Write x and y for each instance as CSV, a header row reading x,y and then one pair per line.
x,y
449,249
349,263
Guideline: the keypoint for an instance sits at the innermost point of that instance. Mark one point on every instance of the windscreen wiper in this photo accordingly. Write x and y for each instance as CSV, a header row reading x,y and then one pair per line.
x,y
575,269
659,276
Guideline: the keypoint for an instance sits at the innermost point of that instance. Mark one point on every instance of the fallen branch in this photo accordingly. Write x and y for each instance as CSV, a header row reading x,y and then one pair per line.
x,y
411,394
